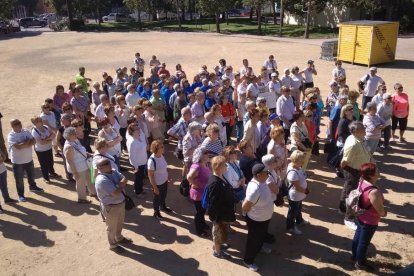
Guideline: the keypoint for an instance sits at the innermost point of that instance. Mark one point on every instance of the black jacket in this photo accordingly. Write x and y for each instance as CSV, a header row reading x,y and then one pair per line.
x,y
221,200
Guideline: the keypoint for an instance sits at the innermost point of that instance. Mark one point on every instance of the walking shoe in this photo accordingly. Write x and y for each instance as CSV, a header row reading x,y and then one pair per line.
x,y
55,175
83,201
265,250
10,201
166,209
118,249
36,189
294,231
22,199
157,215
350,224
221,255
253,267
1,210
47,181
225,246
303,223
366,267
125,241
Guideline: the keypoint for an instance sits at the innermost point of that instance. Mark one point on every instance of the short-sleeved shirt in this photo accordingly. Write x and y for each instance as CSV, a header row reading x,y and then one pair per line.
x,y
261,197
400,105
81,80
296,175
106,184
38,134
355,153
371,84
201,181
197,111
49,118
159,168
81,104
20,156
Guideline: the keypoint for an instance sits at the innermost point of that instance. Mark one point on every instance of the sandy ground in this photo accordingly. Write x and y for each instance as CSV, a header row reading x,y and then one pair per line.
x,y
52,235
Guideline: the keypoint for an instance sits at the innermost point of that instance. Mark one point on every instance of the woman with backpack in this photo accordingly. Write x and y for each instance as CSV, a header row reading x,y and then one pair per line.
x,y
372,200
198,177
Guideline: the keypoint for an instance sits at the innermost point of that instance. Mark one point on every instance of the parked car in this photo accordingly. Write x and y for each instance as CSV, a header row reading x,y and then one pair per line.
x,y
27,22
116,17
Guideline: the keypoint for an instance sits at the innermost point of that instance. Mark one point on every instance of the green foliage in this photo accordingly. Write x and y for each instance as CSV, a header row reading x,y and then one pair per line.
x,y
210,7
299,7
6,8
136,5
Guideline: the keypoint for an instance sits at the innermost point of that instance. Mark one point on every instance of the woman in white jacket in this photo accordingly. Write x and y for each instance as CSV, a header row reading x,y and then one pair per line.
x,y
234,174
137,151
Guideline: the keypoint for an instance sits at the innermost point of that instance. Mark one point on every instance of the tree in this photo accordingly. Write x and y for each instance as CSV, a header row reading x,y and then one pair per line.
x,y
258,5
6,8
215,7
136,6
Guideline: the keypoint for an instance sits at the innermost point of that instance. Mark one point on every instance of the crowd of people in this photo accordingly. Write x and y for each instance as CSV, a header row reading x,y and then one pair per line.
x,y
244,139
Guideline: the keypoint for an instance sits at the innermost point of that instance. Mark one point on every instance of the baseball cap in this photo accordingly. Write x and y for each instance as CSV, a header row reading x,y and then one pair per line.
x,y
332,83
258,168
373,69
273,116
310,61
273,75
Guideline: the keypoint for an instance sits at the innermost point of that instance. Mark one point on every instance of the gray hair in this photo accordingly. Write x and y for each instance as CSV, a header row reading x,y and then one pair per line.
x,y
354,126
198,154
185,109
194,126
68,132
103,97
268,159
371,105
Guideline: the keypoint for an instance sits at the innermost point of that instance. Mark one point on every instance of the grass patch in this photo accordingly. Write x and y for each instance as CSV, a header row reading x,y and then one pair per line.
x,y
234,26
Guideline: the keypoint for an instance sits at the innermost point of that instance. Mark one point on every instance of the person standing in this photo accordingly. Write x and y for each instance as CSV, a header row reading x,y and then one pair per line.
x,y
372,200
308,73
251,133
258,207
285,108
3,183
297,192
271,65
198,178
373,124
137,152
110,186
400,111
222,200
81,80
139,64
368,85
384,112
3,148
20,144
158,177
355,154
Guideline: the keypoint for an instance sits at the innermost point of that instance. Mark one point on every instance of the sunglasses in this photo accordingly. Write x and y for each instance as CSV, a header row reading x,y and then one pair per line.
x,y
309,116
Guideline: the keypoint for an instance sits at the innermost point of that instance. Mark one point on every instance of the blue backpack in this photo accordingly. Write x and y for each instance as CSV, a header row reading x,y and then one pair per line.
x,y
204,200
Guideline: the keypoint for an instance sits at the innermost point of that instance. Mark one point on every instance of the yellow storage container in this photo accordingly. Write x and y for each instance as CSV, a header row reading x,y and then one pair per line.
x,y
367,42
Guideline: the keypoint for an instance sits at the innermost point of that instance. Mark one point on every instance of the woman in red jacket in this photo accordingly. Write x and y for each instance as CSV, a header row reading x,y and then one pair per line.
x,y
228,112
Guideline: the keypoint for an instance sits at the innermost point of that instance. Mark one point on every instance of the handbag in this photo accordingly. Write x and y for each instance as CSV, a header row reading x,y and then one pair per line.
x,y
185,188
307,143
129,203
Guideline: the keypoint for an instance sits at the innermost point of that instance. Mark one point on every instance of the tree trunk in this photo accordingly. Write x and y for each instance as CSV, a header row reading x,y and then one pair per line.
x,y
178,14
274,12
218,22
259,19
308,13
281,18
70,14
251,14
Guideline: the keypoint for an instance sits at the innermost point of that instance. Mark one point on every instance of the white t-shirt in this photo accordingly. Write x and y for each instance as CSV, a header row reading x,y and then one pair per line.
x,y
122,115
296,175
132,99
308,75
137,150
271,65
286,81
20,156
275,88
159,168
115,150
338,72
100,112
296,81
303,132
49,118
254,90
371,84
261,197
241,89
37,134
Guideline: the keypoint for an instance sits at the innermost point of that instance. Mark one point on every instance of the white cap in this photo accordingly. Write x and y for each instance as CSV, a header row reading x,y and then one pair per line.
x,y
273,75
332,82
130,86
386,96
373,69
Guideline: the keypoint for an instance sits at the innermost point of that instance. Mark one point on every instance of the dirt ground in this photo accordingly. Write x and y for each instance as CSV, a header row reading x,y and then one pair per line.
x,y
52,235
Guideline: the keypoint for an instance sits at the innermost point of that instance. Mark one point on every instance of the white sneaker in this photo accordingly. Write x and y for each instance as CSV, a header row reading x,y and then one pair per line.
x,y
350,224
266,250
252,267
304,222
295,231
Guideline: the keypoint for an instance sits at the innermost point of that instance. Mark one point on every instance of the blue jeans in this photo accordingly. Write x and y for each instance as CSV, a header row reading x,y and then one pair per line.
x,y
365,101
239,131
3,185
294,214
18,171
362,239
117,161
139,179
